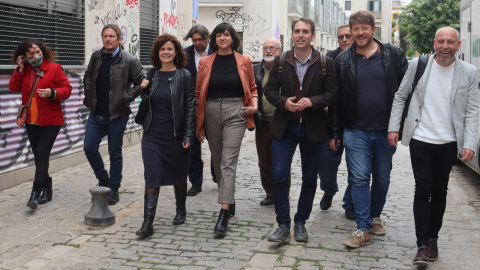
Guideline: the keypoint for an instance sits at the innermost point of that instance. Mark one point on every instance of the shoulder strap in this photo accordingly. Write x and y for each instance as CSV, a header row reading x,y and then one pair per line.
x,y
323,59
281,63
421,65
33,91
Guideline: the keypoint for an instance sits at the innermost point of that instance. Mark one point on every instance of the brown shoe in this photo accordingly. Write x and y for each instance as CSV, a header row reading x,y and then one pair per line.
x,y
377,227
432,250
421,258
358,239
267,201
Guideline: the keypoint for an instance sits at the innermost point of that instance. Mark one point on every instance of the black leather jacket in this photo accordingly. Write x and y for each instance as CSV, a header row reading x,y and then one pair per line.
x,y
259,73
183,103
333,54
343,112
123,72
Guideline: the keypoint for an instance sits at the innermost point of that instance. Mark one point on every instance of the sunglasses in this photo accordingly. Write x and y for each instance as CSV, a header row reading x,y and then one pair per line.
x,y
347,36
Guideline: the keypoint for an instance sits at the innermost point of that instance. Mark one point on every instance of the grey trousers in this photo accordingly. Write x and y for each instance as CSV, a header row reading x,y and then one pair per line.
x,y
225,124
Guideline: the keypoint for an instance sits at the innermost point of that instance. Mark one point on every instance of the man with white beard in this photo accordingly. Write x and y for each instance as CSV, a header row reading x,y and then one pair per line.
x,y
264,116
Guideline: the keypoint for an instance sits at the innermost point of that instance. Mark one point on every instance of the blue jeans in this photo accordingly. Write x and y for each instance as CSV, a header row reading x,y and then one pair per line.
x,y
97,128
282,154
328,167
368,152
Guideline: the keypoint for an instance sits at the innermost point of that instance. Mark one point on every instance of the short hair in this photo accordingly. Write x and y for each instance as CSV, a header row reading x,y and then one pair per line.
x,y
117,30
362,16
197,29
307,21
342,26
221,28
23,47
456,31
180,59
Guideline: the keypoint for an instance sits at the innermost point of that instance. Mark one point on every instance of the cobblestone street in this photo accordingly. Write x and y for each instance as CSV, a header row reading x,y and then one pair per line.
x,y
55,237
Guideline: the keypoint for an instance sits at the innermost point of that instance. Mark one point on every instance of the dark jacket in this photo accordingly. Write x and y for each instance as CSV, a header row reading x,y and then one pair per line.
x,y
333,54
343,112
190,50
123,72
258,74
183,103
322,90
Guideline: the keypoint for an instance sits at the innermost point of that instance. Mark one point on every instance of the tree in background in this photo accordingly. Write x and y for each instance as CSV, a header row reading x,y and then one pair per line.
x,y
421,19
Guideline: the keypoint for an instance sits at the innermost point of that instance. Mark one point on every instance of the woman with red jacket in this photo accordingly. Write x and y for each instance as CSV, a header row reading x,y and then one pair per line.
x,y
45,116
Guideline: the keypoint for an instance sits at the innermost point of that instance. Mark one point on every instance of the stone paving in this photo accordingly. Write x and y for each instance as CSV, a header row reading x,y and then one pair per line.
x,y
55,237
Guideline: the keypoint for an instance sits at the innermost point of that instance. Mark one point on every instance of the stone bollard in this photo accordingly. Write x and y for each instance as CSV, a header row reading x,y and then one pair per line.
x,y
100,214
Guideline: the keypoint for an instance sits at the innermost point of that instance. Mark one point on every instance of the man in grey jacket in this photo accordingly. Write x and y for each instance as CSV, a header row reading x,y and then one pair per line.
x,y
441,123
108,94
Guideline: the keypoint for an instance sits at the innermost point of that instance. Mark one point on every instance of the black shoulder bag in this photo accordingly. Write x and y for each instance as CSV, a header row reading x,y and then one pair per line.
x,y
144,107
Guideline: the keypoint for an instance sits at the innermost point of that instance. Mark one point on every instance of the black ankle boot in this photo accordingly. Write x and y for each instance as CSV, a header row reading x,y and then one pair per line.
x,y
33,201
222,223
180,199
231,209
47,192
149,209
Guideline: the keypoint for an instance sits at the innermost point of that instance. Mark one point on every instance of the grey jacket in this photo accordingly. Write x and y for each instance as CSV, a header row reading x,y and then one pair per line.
x,y
123,72
464,103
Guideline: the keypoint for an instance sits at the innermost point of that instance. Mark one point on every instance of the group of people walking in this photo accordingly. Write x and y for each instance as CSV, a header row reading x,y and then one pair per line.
x,y
353,98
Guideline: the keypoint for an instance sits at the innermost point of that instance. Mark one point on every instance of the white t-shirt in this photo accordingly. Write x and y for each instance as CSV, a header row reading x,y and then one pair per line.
x,y
436,124
198,56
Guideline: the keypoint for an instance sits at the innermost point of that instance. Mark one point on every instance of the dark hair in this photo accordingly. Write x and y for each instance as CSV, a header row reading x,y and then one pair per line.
x,y
197,29
180,59
342,26
361,16
307,21
117,30
23,47
221,28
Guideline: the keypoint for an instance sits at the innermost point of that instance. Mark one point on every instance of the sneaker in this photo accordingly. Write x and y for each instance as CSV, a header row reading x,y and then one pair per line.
x,y
421,258
326,201
281,235
358,239
377,227
432,250
300,233
350,213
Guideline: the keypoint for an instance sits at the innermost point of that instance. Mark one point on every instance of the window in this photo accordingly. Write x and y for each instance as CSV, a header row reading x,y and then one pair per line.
x,y
60,24
378,33
149,31
348,5
374,6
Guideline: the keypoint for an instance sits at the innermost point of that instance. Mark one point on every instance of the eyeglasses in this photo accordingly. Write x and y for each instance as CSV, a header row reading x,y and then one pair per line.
x,y
347,36
198,40
270,48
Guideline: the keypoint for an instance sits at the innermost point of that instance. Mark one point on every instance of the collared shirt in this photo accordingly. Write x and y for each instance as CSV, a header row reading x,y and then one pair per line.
x,y
114,53
199,56
302,66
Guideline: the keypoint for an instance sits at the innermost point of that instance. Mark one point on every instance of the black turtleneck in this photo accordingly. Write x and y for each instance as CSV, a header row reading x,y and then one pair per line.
x,y
103,85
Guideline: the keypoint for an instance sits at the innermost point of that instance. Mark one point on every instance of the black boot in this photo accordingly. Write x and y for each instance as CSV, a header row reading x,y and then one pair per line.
x,y
222,223
231,209
33,201
47,192
149,210
180,199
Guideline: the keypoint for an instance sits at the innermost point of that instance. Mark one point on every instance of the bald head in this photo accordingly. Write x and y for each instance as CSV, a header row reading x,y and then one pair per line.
x,y
271,48
448,29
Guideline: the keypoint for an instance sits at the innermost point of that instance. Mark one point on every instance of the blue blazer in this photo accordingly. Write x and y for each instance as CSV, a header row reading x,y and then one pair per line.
x,y
190,50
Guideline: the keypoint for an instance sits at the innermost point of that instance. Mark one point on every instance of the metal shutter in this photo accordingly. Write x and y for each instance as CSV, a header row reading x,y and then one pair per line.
x,y
149,23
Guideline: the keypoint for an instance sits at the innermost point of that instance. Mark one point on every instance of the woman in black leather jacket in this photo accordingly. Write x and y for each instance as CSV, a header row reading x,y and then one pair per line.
x,y
169,128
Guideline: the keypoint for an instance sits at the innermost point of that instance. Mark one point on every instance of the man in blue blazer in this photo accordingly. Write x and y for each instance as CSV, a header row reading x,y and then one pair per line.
x,y
199,35
441,123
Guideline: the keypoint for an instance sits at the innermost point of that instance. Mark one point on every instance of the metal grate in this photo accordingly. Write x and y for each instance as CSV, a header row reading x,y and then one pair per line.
x,y
149,28
61,27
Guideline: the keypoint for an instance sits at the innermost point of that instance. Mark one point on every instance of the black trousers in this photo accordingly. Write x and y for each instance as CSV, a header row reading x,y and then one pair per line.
x,y
41,140
431,165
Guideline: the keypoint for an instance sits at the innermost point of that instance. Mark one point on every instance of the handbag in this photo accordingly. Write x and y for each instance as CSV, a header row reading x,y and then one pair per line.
x,y
144,107
23,109
422,64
